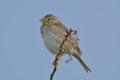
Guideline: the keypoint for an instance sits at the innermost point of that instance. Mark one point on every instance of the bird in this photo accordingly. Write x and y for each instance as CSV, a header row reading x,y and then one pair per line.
x,y
53,32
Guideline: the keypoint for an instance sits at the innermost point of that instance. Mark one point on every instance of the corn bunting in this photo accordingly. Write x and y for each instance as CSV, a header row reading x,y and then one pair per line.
x,y
53,33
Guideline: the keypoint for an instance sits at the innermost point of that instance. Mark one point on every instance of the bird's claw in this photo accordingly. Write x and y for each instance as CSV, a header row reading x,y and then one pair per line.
x,y
55,62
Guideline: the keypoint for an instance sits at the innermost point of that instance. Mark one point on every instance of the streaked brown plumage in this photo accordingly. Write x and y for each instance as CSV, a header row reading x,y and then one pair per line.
x,y
53,33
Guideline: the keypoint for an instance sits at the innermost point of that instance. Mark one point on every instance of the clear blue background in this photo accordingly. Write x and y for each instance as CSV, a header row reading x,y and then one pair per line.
x,y
23,55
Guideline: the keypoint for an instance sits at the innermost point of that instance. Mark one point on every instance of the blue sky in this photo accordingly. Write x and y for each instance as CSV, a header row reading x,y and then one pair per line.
x,y
23,55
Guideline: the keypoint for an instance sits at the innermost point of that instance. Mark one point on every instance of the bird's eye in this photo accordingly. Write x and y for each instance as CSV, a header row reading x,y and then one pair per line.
x,y
48,19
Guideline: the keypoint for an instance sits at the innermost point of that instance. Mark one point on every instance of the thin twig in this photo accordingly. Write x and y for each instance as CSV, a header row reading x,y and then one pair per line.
x,y
68,34
54,70
60,53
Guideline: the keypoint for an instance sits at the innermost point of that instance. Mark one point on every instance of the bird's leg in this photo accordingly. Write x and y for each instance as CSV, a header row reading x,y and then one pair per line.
x,y
57,58
70,59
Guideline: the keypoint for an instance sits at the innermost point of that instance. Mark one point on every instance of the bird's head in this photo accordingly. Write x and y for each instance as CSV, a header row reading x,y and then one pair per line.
x,y
49,19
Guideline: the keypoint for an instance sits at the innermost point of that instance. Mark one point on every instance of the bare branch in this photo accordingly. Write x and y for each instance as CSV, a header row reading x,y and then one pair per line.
x,y
57,58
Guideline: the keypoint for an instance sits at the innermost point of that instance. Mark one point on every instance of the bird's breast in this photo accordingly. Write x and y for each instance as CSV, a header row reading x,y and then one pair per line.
x,y
51,40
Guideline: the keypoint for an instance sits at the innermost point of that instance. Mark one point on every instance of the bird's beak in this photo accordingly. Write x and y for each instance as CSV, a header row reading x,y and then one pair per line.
x,y
42,20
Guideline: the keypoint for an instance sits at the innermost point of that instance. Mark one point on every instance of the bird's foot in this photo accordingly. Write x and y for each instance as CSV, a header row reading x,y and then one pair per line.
x,y
68,60
57,58
75,33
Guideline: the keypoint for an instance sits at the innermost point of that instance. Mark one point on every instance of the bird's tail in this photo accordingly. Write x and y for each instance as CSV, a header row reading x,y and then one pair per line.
x,y
79,58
